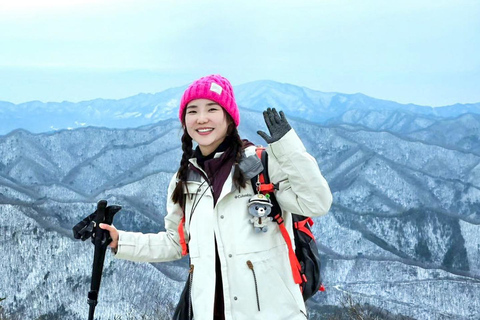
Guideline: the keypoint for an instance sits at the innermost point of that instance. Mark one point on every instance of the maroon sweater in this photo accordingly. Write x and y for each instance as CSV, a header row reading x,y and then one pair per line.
x,y
218,169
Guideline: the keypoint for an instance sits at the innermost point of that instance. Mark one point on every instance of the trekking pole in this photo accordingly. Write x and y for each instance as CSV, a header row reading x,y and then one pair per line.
x,y
89,228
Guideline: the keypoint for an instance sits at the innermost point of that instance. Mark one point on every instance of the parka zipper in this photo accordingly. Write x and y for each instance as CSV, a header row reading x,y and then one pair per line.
x,y
190,292
250,266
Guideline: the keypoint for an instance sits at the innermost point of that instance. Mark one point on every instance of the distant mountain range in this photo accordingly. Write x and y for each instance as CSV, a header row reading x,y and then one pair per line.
x,y
402,234
303,103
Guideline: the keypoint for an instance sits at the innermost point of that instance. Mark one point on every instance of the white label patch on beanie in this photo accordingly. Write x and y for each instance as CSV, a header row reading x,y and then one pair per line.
x,y
216,88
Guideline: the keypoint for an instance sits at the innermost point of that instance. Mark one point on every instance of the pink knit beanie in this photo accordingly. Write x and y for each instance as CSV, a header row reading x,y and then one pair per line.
x,y
215,88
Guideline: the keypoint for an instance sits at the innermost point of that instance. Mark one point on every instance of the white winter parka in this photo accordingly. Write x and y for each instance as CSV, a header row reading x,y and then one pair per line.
x,y
255,267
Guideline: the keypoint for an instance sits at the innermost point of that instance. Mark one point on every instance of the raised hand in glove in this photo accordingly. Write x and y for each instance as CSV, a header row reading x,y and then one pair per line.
x,y
277,125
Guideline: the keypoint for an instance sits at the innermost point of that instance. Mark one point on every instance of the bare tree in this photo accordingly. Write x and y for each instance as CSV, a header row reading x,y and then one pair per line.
x,y
354,310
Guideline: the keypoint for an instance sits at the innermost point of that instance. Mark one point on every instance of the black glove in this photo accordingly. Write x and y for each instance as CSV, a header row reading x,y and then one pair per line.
x,y
276,124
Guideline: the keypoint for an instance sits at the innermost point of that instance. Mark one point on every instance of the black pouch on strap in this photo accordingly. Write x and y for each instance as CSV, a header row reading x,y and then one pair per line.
x,y
184,307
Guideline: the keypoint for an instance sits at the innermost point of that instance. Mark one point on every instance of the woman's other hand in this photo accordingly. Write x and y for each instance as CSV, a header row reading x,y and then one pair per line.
x,y
277,125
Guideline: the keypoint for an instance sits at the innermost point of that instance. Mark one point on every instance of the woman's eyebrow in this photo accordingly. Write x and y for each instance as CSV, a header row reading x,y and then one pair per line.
x,y
208,105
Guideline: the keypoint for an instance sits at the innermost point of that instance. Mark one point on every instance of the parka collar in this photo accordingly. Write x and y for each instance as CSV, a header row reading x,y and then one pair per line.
x,y
250,165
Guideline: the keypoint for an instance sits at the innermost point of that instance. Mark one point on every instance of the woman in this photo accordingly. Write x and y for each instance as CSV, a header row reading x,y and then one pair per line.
x,y
236,272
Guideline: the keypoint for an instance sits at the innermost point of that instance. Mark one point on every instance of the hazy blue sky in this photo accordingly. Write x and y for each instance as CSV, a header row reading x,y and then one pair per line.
x,y
423,52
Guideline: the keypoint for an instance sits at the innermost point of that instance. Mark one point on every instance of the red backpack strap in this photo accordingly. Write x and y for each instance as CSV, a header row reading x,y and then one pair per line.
x,y
294,264
300,226
264,188
270,188
259,150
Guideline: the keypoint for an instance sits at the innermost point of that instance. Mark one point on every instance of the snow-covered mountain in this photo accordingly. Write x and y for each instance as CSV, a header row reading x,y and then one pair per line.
x,y
299,102
131,112
402,234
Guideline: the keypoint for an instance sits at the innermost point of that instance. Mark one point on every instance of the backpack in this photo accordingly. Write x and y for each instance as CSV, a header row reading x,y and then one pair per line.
x,y
305,260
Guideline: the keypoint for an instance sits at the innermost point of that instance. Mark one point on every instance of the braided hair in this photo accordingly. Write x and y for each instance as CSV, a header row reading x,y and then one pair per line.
x,y
177,195
187,147
238,146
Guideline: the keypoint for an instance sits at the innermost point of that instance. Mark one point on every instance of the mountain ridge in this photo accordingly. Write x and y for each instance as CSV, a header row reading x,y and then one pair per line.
x,y
148,108
401,234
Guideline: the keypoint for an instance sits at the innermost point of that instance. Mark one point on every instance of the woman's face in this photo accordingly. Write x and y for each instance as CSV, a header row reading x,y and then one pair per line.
x,y
206,122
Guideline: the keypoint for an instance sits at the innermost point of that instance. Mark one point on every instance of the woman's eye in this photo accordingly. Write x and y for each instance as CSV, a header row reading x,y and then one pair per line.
x,y
213,109
191,112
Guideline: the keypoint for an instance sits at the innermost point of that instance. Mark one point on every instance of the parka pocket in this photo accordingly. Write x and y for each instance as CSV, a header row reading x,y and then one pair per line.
x,y
285,287
256,243
268,288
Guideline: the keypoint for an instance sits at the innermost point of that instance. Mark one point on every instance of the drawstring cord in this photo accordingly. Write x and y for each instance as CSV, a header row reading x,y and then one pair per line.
x,y
250,266
190,292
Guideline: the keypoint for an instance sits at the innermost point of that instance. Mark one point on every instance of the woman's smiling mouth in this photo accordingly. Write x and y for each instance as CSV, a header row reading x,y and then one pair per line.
x,y
204,130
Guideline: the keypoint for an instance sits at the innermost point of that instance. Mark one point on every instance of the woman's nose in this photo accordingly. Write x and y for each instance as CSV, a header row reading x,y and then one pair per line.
x,y
202,118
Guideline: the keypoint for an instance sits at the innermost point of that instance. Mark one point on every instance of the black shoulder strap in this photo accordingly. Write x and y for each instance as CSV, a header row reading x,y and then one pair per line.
x,y
276,210
264,160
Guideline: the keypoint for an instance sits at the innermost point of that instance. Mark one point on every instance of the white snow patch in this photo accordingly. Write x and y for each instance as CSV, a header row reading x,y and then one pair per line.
x,y
128,115
149,115
173,103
